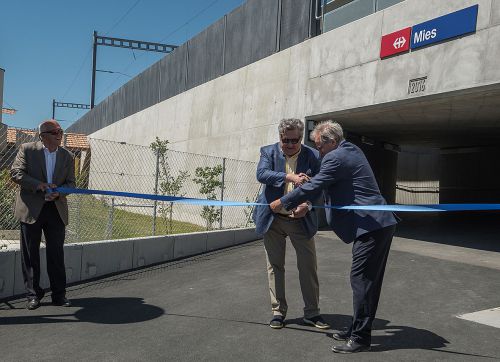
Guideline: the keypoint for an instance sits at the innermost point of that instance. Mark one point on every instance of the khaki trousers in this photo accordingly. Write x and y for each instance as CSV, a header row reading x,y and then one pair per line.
x,y
275,245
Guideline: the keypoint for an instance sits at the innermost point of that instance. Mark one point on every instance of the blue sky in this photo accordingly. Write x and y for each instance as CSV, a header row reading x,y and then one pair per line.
x,y
46,48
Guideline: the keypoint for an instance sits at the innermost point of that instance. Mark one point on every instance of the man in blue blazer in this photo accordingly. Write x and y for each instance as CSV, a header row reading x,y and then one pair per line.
x,y
346,178
283,166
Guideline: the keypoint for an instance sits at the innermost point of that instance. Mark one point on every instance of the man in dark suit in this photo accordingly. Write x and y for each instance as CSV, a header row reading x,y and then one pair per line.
x,y
38,168
346,178
283,166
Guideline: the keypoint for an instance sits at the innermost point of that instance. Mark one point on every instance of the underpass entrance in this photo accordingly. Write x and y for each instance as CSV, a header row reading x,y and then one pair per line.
x,y
434,149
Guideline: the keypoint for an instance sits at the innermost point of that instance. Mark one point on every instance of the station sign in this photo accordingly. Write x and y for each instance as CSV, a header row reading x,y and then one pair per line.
x,y
395,43
445,27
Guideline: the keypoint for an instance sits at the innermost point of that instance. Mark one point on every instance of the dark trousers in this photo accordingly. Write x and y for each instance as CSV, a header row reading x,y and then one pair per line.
x,y
54,230
369,258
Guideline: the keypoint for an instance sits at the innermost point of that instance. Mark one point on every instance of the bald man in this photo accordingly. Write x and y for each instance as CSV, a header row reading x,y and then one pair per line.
x,y
38,168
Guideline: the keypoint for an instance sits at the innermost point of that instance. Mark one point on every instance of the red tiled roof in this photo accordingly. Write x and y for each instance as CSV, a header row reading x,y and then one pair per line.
x,y
76,140
73,140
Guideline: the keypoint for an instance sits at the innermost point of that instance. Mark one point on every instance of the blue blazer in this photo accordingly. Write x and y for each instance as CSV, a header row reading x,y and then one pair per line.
x,y
346,178
271,173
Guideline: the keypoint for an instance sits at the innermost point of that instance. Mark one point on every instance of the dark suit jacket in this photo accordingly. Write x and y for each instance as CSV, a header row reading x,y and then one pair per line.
x,y
29,170
271,173
346,178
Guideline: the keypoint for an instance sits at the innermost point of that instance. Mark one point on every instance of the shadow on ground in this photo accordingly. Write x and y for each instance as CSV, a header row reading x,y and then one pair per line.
x,y
93,310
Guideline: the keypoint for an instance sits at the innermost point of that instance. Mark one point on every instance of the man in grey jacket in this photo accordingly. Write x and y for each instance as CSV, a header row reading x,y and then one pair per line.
x,y
346,179
38,168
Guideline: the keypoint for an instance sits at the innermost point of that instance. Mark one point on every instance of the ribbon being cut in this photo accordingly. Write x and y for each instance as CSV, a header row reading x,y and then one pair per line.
x,y
204,202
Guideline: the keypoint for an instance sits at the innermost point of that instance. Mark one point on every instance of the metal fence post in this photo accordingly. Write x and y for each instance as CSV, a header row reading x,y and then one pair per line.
x,y
222,190
157,176
78,217
109,231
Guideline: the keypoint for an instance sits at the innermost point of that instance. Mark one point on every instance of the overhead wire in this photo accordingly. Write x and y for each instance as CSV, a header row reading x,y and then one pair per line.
x,y
87,56
162,40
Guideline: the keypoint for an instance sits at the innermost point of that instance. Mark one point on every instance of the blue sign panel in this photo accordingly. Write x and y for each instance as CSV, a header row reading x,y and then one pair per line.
x,y
445,27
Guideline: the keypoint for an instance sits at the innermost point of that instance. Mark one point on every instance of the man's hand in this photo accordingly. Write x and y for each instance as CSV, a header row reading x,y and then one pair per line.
x,y
300,211
51,196
297,179
276,206
43,186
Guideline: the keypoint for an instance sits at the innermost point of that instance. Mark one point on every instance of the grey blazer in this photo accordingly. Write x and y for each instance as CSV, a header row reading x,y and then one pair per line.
x,y
346,178
29,170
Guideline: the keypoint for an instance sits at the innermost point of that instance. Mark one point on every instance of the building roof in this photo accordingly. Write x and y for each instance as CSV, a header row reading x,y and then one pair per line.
x,y
74,141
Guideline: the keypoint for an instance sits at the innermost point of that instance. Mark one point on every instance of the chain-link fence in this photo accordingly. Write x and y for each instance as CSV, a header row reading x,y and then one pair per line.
x,y
106,165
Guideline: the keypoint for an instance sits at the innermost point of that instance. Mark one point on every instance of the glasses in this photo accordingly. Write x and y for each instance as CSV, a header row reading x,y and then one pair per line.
x,y
293,141
55,132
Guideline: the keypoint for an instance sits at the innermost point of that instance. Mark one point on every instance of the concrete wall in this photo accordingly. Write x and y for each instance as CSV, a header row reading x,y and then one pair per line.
x,y
233,115
253,31
96,259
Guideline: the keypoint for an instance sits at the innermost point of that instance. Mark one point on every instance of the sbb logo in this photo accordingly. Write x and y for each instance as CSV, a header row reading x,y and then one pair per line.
x,y
395,43
399,42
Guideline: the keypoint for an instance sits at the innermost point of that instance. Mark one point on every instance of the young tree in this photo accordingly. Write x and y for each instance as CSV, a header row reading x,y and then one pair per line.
x,y
167,183
209,180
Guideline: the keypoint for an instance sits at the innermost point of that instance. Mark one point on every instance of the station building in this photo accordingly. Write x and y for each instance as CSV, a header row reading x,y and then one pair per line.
x,y
415,83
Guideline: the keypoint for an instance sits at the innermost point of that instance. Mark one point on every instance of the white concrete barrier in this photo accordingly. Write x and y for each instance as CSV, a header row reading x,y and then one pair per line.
x,y
106,257
245,235
7,265
190,244
152,250
220,239
73,262
99,258
18,274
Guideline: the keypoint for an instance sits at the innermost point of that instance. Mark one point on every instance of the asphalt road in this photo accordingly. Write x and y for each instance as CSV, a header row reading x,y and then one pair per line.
x,y
215,307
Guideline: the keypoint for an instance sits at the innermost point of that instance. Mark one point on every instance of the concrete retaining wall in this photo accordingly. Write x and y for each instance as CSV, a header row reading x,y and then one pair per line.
x,y
96,259
236,113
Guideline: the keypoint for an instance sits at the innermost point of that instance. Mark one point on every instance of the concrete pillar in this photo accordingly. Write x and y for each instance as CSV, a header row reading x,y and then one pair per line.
x,y
384,164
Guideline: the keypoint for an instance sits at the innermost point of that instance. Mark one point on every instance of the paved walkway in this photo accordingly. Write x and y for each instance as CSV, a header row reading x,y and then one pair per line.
x,y
215,307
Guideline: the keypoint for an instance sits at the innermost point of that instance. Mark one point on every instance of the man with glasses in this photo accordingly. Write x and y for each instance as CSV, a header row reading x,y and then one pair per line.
x,y
38,168
346,179
282,167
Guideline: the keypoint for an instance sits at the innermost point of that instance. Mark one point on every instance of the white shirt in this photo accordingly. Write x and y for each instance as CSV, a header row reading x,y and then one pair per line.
x,y
50,163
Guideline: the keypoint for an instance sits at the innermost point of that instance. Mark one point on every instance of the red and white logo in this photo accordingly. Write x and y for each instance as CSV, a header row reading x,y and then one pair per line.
x,y
395,43
399,42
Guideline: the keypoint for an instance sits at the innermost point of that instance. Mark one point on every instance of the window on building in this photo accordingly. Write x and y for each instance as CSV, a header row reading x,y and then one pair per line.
x,y
341,12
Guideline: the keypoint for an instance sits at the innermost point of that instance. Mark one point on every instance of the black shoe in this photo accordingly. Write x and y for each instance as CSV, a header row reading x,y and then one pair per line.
x,y
62,302
351,347
33,303
277,322
342,335
317,321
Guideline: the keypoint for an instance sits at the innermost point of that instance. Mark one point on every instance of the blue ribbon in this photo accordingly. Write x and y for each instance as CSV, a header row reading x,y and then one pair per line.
x,y
193,201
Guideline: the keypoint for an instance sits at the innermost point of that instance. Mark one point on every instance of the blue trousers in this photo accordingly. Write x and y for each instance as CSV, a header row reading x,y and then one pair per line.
x,y
369,258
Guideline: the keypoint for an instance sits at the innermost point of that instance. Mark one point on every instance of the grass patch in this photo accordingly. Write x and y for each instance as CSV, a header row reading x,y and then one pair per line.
x,y
89,220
